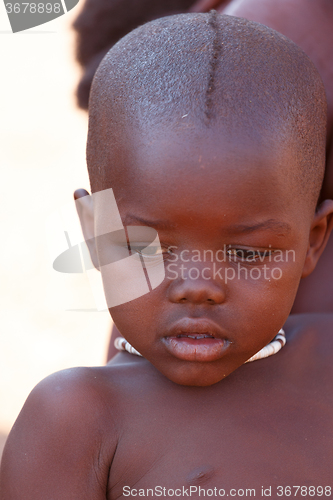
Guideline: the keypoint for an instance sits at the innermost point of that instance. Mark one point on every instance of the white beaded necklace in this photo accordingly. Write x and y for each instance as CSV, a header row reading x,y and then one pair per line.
x,y
272,348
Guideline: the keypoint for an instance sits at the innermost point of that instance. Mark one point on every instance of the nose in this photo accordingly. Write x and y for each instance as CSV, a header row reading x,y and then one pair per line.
x,y
201,290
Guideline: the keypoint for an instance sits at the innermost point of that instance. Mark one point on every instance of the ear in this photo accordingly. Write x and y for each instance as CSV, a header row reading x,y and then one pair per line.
x,y
320,230
85,210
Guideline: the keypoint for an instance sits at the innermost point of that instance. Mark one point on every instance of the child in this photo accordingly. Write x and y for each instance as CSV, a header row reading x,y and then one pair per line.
x,y
313,32
211,130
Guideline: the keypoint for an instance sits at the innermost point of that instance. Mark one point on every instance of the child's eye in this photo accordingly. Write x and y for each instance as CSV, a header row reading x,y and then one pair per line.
x,y
149,251
244,255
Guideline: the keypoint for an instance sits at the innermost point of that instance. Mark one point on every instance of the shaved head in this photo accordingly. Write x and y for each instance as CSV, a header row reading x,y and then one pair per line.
x,y
220,72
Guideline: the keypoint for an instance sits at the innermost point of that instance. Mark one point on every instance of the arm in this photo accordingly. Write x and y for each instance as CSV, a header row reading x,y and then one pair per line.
x,y
58,448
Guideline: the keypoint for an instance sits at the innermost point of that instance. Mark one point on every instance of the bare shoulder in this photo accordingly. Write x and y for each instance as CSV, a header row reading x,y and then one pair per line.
x,y
66,426
72,395
310,342
317,326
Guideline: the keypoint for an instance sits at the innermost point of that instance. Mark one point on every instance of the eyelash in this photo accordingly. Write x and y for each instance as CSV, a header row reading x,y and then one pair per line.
x,y
251,257
248,256
165,251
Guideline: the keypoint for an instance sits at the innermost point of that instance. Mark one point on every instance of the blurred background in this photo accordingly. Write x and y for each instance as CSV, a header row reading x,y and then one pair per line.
x,y
48,321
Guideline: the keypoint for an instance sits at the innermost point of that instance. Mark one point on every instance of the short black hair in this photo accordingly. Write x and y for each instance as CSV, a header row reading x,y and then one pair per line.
x,y
218,69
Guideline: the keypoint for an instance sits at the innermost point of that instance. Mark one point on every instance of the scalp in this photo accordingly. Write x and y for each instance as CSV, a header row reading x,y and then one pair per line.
x,y
217,70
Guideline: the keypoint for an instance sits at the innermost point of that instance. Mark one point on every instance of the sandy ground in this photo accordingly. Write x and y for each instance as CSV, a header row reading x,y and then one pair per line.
x,y
48,321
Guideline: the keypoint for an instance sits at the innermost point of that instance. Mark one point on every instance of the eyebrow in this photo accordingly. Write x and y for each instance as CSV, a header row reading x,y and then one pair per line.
x,y
270,224
158,224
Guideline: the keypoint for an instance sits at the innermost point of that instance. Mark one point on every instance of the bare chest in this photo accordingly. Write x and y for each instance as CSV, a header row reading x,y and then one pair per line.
x,y
279,439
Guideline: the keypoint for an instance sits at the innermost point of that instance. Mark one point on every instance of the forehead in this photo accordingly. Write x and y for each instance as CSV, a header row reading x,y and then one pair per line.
x,y
169,168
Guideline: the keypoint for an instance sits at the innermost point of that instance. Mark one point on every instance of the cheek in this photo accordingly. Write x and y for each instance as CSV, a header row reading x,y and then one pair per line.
x,y
126,316
139,316
264,295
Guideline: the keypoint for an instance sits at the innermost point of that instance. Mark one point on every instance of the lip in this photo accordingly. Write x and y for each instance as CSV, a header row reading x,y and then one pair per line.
x,y
193,339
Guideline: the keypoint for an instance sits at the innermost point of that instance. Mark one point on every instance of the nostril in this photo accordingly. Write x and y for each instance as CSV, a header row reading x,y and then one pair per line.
x,y
186,292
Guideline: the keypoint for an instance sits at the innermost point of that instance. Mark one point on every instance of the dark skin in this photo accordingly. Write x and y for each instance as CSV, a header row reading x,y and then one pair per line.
x,y
310,25
268,423
187,218
313,32
86,433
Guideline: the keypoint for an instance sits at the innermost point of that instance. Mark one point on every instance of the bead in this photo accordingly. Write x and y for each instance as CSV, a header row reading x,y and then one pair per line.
x,y
272,348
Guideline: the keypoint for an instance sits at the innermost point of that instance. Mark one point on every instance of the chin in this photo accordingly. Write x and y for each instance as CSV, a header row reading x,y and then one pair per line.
x,y
195,376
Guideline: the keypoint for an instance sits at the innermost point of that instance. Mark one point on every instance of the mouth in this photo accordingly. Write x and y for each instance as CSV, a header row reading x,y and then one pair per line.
x,y
195,336
198,340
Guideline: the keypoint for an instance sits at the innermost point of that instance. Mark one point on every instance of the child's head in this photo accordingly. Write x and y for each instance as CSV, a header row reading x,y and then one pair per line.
x,y
211,129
